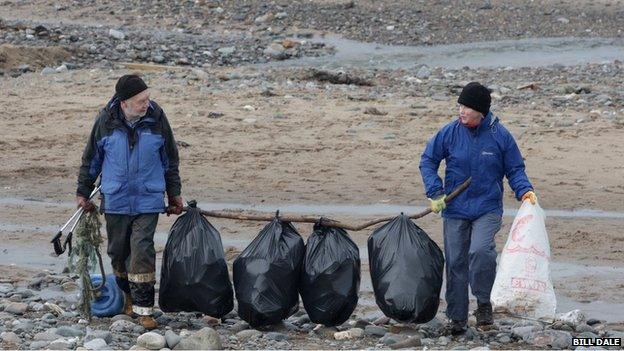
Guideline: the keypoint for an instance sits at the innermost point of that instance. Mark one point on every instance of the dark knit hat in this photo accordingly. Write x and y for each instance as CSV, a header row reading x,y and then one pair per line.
x,y
476,96
128,86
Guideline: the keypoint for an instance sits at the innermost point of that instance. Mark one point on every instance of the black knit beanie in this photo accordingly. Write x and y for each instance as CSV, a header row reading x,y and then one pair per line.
x,y
128,86
476,96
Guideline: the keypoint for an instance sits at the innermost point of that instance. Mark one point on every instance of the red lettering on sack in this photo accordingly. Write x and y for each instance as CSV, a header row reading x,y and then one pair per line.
x,y
528,284
518,226
529,250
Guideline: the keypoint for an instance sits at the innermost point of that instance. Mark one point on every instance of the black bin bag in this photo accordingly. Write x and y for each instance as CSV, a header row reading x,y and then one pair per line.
x,y
330,277
406,269
266,275
194,275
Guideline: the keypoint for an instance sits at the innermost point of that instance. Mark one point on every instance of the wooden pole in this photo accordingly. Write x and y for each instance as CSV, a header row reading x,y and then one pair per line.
x,y
265,217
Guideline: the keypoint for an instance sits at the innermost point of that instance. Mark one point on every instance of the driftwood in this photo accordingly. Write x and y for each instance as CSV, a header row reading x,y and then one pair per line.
x,y
325,221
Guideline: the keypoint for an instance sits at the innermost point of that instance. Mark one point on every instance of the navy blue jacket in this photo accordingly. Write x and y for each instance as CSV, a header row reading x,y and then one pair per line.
x,y
486,153
137,163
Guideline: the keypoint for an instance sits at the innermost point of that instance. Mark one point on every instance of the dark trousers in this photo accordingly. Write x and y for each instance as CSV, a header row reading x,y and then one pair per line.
x,y
133,256
470,259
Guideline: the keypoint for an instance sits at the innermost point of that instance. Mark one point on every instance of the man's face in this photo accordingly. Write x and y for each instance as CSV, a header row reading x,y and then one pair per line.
x,y
137,105
469,117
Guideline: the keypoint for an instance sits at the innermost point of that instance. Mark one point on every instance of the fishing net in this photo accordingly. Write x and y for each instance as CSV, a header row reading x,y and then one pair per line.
x,y
84,257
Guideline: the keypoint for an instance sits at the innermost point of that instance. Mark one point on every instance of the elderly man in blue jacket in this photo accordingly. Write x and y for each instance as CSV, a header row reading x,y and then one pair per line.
x,y
474,145
132,146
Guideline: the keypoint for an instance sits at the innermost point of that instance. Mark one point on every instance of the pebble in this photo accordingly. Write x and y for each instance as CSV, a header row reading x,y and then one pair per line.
x,y
17,308
99,334
45,336
352,333
96,344
557,339
172,338
68,331
276,336
204,339
248,334
62,344
117,34
409,343
375,330
151,341
122,326
10,337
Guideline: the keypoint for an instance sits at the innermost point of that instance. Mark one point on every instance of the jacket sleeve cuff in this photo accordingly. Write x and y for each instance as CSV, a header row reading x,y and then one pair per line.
x,y
521,193
436,194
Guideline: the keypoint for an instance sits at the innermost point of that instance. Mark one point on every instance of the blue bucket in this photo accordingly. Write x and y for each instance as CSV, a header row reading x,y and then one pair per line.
x,y
110,301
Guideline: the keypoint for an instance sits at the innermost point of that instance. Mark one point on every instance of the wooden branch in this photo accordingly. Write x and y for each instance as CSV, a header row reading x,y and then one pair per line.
x,y
265,217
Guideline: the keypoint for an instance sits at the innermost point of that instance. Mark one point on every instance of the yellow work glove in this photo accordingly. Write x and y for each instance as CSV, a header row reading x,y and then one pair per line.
x,y
530,195
438,204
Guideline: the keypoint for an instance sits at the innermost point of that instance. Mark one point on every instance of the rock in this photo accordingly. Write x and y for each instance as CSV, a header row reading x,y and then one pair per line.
x,y
444,340
238,326
62,69
574,317
121,317
392,338
158,59
172,338
423,72
95,344
204,339
563,20
338,78
248,334
374,111
37,345
10,337
559,325
47,71
37,306
122,326
289,44
281,15
24,326
504,338
375,330
226,51
151,341
389,136
524,333
248,108
327,332
45,336
581,328
117,34
587,335
276,51
6,288
408,343
99,334
61,344
353,333
615,334
264,18
69,332
593,321
17,308
556,339
276,336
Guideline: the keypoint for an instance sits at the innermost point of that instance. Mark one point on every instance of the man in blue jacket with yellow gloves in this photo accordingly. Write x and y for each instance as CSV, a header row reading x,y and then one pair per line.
x,y
475,145
132,146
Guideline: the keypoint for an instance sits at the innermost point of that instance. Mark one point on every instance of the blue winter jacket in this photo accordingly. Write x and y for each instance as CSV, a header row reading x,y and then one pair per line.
x,y
137,163
486,153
